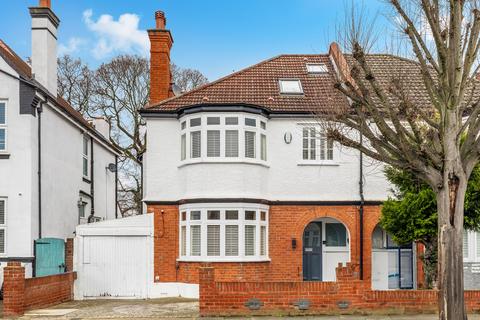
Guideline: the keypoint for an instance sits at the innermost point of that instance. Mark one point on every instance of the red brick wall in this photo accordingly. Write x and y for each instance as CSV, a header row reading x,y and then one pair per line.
x,y
21,294
48,290
229,298
285,223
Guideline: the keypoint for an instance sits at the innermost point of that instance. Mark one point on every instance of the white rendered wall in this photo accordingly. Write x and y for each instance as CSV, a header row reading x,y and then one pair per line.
x,y
17,182
284,176
62,176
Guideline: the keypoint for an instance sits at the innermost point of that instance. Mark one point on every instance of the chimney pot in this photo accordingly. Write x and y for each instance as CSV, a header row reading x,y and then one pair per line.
x,y
160,20
45,4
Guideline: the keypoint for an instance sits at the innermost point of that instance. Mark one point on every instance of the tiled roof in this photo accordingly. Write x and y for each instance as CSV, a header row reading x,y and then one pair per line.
x,y
389,69
17,64
259,85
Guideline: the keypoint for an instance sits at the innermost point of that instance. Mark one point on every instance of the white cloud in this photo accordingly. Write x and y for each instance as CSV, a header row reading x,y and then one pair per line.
x,y
72,47
117,36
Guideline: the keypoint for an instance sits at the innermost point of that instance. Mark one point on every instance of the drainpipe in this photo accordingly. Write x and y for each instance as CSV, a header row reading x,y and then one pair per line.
x,y
116,187
92,183
362,203
39,133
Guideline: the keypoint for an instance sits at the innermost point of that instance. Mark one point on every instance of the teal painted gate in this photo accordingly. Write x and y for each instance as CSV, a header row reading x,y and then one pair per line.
x,y
49,256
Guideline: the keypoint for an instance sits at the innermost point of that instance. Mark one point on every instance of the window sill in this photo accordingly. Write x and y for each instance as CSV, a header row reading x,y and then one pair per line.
x,y
4,155
223,161
318,163
214,259
86,180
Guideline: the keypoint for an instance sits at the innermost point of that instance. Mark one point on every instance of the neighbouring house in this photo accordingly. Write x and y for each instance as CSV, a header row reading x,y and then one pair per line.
x,y
57,169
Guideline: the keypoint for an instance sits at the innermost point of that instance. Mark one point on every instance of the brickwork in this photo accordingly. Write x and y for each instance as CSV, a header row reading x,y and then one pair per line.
x,y
21,294
69,255
13,289
160,44
285,223
345,296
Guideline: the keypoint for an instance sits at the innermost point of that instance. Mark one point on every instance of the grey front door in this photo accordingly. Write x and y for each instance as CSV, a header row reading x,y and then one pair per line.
x,y
312,252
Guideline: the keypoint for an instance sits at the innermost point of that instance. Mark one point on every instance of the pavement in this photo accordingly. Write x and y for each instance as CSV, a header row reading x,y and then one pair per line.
x,y
168,308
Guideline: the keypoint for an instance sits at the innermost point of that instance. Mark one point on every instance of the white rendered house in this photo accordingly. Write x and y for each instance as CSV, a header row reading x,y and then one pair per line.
x,y
57,170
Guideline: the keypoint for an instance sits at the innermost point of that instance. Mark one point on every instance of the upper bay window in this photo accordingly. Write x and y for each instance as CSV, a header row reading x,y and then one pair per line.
x,y
3,126
223,233
227,138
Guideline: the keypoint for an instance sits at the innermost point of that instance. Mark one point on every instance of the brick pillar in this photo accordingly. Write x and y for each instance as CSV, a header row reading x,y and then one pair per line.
x,y
13,289
69,255
420,272
207,288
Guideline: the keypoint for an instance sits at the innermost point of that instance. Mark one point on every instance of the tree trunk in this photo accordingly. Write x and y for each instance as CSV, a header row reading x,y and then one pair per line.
x,y
450,204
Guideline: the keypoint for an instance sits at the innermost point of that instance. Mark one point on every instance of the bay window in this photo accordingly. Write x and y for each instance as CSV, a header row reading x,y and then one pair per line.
x,y
228,138
218,233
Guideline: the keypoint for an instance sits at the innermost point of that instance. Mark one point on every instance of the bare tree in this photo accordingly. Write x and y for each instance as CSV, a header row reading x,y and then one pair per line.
x,y
74,82
116,91
121,89
430,126
187,79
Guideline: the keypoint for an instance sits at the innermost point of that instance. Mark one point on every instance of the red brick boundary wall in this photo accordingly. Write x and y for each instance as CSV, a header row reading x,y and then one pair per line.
x,y
347,295
21,294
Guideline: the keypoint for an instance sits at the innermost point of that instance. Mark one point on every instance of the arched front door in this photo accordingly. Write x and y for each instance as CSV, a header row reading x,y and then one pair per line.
x,y
312,252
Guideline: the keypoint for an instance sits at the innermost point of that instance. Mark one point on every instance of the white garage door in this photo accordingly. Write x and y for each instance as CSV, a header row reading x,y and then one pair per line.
x,y
113,267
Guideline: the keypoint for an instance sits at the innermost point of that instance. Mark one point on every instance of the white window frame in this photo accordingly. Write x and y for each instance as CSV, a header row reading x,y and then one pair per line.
x,y
321,142
4,225
86,139
5,127
222,222
311,66
240,127
473,247
284,91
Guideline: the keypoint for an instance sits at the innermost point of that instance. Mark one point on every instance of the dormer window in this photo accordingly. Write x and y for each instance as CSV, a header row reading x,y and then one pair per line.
x,y
290,86
317,68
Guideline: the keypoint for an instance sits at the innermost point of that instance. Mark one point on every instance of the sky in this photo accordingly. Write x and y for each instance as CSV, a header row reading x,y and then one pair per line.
x,y
216,37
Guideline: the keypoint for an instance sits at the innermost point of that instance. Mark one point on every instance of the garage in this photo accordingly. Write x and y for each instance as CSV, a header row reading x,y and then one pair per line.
x,y
113,259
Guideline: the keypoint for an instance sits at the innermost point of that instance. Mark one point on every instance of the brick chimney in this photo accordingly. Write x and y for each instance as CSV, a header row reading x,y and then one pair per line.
x,y
44,45
160,44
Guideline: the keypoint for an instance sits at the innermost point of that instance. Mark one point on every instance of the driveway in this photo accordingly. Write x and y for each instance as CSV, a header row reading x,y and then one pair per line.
x,y
166,308
119,309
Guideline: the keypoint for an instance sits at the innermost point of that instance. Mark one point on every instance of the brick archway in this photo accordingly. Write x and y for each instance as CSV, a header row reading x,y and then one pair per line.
x,y
347,215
